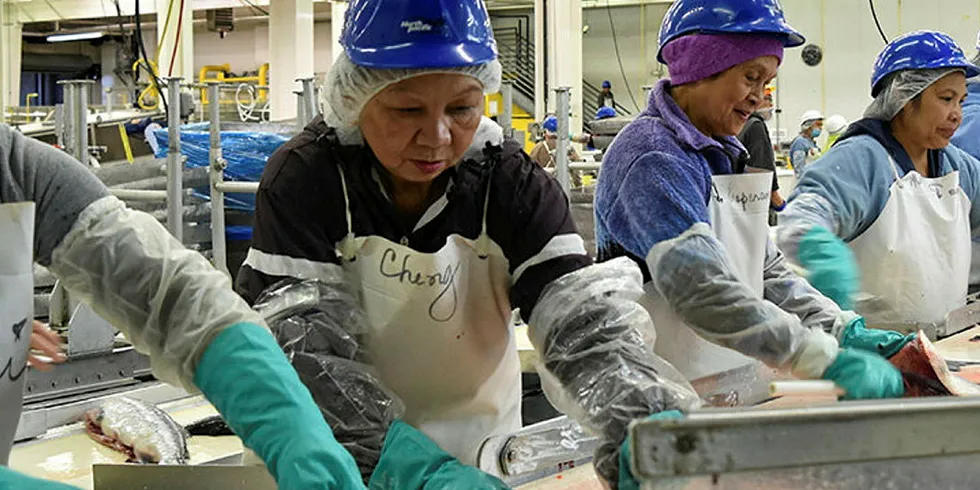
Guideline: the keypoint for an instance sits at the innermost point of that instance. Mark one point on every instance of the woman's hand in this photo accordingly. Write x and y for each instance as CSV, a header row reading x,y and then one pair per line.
x,y
49,343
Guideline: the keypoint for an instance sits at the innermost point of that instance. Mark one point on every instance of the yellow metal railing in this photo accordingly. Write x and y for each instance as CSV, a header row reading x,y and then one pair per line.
x,y
262,79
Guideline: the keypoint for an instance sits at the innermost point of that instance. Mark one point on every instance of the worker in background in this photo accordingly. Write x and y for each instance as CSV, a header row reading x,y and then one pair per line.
x,y
891,206
168,301
967,138
543,153
835,126
606,97
755,138
406,195
718,290
804,148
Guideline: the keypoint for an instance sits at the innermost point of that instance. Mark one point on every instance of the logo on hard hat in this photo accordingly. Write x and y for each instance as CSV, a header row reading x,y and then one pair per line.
x,y
423,25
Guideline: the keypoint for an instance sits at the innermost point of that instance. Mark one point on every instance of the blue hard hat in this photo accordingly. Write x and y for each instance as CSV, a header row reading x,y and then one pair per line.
x,y
606,84
551,124
418,34
919,50
763,17
605,112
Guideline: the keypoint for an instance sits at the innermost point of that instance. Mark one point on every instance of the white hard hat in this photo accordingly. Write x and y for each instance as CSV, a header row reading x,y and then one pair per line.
x,y
810,115
835,124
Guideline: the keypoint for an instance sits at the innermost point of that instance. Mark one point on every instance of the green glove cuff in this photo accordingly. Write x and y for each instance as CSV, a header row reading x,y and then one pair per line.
x,y
882,342
831,267
412,461
246,376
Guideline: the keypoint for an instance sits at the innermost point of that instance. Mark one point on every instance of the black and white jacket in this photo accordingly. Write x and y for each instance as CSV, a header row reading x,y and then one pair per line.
x,y
300,212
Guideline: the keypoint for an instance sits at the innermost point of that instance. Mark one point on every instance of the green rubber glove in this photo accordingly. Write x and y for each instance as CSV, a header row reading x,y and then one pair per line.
x,y
831,267
864,375
886,343
10,480
626,479
246,376
411,461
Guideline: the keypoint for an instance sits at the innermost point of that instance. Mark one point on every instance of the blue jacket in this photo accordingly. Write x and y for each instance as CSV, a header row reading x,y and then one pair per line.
x,y
846,189
967,137
799,150
662,164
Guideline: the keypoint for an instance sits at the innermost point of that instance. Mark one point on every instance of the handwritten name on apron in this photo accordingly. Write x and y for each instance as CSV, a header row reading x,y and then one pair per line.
x,y
743,198
443,306
8,370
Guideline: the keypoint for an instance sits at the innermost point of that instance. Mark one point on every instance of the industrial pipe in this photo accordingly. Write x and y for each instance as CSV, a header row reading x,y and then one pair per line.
x,y
216,167
175,164
561,150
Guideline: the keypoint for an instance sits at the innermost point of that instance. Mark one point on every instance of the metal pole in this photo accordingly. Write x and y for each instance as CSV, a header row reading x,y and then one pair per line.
x,y
561,150
216,167
301,117
60,125
80,123
68,116
309,98
175,184
506,118
76,121
646,95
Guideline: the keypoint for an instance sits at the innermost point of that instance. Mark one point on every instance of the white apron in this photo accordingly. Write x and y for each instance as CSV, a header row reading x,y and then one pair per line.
x,y
441,336
915,258
739,214
16,314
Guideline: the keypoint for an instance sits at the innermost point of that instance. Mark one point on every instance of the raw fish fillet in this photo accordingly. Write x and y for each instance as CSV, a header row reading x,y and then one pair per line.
x,y
140,430
922,366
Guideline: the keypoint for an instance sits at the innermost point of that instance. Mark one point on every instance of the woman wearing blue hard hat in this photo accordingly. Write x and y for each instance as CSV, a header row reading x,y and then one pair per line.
x,y
719,292
890,208
405,195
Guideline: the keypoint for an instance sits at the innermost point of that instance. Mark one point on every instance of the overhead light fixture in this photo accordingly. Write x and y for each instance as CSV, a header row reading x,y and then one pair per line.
x,y
75,36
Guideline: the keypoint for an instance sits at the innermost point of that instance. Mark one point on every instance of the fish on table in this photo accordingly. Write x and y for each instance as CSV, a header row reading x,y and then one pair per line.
x,y
926,372
138,429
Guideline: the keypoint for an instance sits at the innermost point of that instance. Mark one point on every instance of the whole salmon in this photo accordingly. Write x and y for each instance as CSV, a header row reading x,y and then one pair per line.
x,y
140,430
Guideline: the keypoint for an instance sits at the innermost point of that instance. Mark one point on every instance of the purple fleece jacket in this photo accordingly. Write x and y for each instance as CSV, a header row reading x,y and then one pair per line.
x,y
656,179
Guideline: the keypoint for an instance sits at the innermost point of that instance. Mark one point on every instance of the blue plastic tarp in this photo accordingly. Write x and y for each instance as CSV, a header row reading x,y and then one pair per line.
x,y
245,151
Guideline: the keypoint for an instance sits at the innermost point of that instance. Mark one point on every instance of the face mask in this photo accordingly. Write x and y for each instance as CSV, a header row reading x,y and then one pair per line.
x,y
815,132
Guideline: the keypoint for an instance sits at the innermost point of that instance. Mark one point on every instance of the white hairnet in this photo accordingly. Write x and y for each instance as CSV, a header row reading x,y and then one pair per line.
x,y
808,124
901,87
349,87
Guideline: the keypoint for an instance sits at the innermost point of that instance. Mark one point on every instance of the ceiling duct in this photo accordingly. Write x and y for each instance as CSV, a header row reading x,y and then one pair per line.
x,y
221,21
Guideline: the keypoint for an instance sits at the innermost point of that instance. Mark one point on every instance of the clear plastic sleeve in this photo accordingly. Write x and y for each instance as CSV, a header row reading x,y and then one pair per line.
x,y
320,324
598,359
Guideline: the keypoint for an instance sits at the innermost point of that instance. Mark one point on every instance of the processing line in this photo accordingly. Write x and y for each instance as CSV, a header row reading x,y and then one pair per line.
x,y
918,443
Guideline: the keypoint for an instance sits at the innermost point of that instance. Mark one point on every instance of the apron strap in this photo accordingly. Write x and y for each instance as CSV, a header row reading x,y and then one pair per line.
x,y
347,248
483,241
894,166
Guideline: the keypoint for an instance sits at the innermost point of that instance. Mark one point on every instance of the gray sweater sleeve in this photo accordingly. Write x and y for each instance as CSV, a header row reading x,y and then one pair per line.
x,y
60,187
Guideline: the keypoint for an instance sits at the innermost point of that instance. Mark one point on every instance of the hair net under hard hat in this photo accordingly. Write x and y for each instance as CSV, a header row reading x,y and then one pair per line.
x,y
349,87
901,87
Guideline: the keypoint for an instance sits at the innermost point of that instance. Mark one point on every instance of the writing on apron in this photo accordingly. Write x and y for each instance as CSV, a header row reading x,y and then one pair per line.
x,y
443,307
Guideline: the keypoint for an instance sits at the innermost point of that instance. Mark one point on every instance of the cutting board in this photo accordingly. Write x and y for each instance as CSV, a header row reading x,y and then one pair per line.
x,y
959,347
68,457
